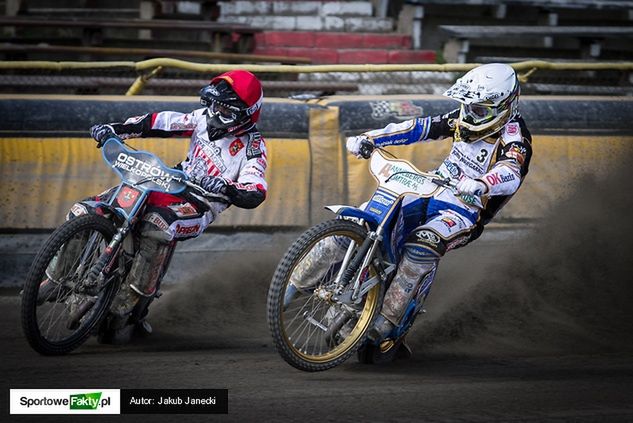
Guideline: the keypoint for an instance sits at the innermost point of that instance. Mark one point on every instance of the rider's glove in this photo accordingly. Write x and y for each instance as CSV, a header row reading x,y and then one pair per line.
x,y
214,184
101,133
470,186
360,146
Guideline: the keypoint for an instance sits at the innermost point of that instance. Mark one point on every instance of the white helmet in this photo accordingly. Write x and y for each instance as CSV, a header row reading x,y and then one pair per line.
x,y
490,98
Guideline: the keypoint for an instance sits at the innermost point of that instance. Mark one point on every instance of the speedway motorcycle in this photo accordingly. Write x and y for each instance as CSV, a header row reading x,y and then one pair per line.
x,y
329,286
79,269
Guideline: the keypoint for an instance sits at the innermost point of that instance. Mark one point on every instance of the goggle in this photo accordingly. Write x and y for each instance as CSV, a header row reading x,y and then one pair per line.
x,y
477,113
226,113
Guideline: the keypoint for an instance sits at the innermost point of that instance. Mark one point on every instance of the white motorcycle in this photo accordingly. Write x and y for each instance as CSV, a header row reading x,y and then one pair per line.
x,y
329,286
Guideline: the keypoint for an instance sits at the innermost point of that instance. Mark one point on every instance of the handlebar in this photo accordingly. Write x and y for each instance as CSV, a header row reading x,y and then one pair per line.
x,y
203,192
201,197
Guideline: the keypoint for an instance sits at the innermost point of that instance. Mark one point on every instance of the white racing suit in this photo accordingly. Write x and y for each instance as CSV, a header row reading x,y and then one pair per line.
x,y
447,221
239,158
441,223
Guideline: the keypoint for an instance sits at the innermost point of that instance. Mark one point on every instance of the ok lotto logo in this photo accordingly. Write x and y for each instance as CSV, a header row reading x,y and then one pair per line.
x,y
64,401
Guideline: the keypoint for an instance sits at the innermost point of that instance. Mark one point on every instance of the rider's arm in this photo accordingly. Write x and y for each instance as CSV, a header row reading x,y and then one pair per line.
x,y
159,124
513,160
249,191
415,130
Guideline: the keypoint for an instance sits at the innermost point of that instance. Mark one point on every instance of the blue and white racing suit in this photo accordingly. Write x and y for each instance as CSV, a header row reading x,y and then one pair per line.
x,y
447,220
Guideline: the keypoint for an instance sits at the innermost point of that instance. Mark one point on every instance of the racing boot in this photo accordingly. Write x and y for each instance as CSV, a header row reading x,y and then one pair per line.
x,y
405,285
141,281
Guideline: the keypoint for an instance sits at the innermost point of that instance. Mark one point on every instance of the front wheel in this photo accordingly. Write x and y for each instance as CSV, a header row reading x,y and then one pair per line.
x,y
313,322
57,313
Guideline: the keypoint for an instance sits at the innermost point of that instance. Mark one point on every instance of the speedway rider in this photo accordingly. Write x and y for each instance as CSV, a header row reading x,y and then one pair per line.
x,y
227,155
489,158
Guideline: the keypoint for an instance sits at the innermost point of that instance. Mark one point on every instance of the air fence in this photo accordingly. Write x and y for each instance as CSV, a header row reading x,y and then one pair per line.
x,y
48,161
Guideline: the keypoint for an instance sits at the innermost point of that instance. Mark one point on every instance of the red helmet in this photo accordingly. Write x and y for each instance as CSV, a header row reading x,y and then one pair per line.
x,y
233,100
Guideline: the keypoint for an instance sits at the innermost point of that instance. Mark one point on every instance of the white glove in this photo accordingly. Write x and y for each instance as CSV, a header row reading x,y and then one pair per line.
x,y
355,146
470,186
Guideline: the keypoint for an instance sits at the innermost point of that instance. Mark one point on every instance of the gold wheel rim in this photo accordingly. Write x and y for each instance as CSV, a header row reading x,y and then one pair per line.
x,y
349,342
369,307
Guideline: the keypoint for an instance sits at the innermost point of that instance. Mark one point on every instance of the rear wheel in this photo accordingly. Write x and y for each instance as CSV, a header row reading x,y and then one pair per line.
x,y
315,326
57,313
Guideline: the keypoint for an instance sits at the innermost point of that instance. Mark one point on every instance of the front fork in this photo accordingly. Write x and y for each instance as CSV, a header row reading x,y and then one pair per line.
x,y
353,268
95,281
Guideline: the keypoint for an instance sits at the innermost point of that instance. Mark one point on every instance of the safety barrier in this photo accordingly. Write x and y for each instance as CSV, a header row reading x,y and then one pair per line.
x,y
394,78
47,160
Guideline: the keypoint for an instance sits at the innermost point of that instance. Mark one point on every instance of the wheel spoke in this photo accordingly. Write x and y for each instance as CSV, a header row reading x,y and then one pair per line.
x,y
301,326
75,263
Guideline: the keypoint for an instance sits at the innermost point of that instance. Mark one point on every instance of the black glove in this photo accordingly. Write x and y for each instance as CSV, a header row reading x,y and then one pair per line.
x,y
360,146
366,148
214,184
101,133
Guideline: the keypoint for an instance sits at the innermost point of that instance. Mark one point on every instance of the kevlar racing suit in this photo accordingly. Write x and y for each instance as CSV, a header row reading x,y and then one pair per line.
x,y
448,220
238,158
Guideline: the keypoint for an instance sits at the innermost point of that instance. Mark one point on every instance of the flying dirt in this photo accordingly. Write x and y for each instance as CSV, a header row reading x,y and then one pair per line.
x,y
522,325
562,286
565,287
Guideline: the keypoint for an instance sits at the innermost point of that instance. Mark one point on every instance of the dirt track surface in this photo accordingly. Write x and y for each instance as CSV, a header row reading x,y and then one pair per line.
x,y
430,387
533,325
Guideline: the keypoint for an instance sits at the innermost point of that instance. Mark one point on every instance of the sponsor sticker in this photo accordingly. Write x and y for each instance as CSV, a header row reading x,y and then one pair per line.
x,y
78,209
157,220
512,128
127,196
382,200
462,240
131,164
187,230
184,210
497,178
448,222
135,119
235,147
428,237
518,157
254,148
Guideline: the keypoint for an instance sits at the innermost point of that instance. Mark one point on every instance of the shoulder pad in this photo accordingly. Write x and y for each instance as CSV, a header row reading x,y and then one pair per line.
x,y
254,145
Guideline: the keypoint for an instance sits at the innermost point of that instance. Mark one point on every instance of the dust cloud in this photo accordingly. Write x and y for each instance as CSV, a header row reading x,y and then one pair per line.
x,y
220,300
565,287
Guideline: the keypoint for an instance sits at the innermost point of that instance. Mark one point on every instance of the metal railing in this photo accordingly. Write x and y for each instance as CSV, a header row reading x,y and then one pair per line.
x,y
385,79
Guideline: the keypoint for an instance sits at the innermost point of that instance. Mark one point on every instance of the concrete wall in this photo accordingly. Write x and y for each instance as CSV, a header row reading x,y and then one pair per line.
x,y
48,161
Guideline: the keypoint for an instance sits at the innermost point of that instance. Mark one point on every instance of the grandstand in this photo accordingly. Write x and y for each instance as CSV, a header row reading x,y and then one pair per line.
x,y
395,32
